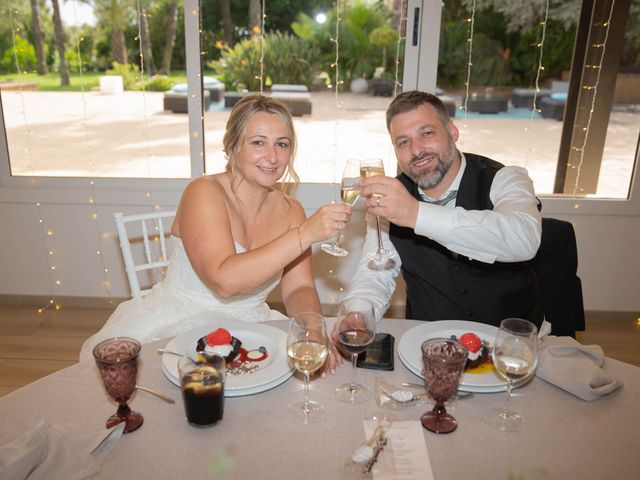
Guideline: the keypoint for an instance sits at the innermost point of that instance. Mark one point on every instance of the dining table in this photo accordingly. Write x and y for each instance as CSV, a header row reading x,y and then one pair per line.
x,y
563,437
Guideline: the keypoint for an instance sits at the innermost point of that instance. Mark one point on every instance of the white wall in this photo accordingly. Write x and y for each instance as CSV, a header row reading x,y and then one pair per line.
x,y
608,239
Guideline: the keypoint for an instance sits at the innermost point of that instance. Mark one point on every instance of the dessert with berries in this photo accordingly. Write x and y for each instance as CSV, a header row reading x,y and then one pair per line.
x,y
478,350
220,342
239,360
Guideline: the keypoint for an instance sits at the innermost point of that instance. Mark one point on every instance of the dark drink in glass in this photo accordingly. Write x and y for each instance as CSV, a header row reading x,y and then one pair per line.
x,y
202,386
356,340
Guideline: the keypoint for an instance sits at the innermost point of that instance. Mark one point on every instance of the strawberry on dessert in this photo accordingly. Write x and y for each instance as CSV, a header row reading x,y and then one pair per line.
x,y
478,351
220,342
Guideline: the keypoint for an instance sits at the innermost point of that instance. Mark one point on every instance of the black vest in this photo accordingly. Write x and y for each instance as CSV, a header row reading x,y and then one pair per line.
x,y
442,285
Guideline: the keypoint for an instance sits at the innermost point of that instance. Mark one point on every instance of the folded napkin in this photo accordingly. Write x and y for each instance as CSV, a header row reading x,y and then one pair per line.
x,y
46,451
578,369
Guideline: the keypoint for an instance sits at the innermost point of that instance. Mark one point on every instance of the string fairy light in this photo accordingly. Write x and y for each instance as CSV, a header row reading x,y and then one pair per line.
x,y
106,284
336,65
401,29
45,232
593,89
263,16
336,86
540,68
145,113
471,20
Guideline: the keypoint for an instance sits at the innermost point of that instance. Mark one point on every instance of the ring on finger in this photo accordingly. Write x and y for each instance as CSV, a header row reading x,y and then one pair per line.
x,y
378,202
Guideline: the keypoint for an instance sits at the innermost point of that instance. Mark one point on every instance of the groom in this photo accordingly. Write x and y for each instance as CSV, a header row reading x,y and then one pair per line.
x,y
463,227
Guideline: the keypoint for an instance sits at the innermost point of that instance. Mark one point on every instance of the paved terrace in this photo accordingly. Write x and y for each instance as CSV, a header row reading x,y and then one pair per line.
x,y
130,134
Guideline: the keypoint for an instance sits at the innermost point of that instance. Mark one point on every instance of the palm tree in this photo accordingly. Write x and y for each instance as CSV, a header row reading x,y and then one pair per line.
x,y
145,42
255,12
60,41
399,10
117,16
38,38
112,16
170,39
227,26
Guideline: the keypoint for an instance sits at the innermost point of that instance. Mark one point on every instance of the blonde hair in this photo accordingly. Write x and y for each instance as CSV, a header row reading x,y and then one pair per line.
x,y
236,131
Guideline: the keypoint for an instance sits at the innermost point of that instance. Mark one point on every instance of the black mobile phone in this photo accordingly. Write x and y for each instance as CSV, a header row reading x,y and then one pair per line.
x,y
378,355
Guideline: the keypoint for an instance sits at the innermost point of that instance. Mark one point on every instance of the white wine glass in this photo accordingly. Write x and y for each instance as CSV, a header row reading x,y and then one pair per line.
x,y
371,167
349,192
355,330
307,350
515,357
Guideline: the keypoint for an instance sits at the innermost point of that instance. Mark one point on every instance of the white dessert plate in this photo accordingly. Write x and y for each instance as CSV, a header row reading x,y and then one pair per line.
x,y
410,354
271,372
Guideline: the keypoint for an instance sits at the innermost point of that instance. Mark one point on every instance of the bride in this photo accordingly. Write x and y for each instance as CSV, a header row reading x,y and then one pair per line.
x,y
235,236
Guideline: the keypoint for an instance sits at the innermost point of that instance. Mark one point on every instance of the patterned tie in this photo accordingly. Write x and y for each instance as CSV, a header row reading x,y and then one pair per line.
x,y
443,201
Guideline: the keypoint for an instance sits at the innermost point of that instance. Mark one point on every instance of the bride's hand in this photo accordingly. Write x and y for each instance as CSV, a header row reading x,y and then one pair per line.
x,y
334,358
328,221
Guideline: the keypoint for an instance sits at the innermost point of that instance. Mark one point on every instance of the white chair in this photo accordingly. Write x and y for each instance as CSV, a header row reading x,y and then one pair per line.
x,y
149,230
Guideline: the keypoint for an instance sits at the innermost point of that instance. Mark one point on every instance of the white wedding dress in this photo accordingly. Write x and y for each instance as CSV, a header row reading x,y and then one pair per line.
x,y
181,302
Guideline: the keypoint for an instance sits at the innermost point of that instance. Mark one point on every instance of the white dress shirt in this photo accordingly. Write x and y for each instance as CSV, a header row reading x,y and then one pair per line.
x,y
508,233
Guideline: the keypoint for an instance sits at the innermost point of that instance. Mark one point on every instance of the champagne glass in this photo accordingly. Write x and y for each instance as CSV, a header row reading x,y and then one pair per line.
x,y
515,356
117,360
349,192
443,361
307,350
370,168
355,329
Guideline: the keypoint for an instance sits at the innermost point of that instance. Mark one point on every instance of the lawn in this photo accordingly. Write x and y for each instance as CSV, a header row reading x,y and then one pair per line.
x,y
85,82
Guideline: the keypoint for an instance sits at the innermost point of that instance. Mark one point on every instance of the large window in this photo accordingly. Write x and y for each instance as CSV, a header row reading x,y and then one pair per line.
x,y
124,123
579,63
83,91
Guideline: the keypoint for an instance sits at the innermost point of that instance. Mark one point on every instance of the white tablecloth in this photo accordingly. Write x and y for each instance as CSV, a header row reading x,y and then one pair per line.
x,y
564,437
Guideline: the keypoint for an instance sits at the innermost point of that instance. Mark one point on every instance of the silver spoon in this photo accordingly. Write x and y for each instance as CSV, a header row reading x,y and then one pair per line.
x,y
170,352
162,396
458,396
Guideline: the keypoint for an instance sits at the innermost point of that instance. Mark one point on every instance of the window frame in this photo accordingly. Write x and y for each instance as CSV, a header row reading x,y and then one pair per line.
x,y
119,191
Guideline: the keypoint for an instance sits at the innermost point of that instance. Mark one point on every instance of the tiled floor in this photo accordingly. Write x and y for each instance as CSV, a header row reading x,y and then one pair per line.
x,y
33,345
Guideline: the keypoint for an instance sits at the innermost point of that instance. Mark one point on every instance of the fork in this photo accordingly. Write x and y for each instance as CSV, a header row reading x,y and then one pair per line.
x,y
460,395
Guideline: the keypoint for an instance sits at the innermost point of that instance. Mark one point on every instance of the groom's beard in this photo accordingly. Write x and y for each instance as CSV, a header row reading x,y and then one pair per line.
x,y
427,178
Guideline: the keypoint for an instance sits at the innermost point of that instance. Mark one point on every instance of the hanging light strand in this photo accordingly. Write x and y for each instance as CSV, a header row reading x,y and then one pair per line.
x,y
594,93
401,29
540,68
44,231
48,254
145,112
263,17
471,20
336,86
336,40
90,155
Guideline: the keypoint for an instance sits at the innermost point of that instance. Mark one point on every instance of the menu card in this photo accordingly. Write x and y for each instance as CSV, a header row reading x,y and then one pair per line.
x,y
405,456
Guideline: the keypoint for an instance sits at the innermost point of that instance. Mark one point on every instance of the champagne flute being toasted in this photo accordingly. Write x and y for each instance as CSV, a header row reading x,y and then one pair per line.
x,y
371,167
349,192
307,350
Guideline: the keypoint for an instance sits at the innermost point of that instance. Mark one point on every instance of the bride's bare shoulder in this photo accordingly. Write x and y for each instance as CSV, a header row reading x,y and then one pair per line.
x,y
207,185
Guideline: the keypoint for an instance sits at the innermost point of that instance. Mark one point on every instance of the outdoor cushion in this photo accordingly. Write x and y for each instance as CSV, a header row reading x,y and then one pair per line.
x,y
560,96
179,88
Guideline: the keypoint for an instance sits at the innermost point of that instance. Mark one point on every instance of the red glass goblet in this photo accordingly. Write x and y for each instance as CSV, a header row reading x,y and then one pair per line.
x,y
443,364
117,360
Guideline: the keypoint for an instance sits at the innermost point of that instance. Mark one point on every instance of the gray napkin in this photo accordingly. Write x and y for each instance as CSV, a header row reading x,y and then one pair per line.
x,y
578,369
48,452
